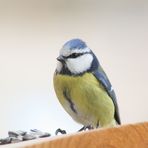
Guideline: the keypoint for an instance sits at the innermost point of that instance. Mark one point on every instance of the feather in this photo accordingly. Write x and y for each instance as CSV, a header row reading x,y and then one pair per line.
x,y
102,77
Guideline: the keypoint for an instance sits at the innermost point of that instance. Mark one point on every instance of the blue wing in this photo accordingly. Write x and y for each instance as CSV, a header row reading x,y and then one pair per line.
x,y
102,77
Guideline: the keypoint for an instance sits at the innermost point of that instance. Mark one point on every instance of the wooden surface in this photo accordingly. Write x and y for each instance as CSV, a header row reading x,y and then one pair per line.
x,y
127,136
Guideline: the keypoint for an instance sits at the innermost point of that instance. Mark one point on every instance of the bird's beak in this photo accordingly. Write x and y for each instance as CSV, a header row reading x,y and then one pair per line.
x,y
61,59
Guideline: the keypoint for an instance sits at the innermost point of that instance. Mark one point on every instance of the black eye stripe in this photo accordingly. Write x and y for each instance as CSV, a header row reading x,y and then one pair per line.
x,y
75,55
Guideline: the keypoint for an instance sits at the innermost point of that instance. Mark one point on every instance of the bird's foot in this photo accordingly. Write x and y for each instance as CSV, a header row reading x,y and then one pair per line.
x,y
60,131
84,128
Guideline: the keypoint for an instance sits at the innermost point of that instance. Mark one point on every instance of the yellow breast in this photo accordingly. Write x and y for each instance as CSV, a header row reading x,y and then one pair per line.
x,y
84,94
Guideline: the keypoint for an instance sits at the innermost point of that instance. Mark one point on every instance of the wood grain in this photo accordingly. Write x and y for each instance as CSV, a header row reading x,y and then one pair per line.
x,y
127,136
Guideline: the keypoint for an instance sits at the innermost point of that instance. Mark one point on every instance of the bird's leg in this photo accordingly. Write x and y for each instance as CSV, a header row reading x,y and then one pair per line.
x,y
97,126
60,131
84,128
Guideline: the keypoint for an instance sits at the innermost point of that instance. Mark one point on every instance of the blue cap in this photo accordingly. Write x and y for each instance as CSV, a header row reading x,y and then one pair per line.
x,y
75,44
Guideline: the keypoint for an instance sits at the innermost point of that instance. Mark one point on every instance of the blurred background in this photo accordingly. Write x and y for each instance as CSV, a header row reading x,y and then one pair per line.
x,y
31,35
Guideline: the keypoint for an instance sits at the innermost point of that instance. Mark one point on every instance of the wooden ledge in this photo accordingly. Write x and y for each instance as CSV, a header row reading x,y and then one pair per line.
x,y
126,136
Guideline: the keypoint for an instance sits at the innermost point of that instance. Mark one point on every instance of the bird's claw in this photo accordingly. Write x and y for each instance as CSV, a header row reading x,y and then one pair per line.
x,y
60,131
84,128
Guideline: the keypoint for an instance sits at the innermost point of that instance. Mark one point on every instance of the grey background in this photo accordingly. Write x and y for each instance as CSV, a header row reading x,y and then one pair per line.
x,y
31,35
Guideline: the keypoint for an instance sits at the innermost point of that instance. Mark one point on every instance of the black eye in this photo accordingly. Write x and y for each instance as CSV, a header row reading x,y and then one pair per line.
x,y
74,55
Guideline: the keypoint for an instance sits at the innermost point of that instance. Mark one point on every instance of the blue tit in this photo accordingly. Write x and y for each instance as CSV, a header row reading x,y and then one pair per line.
x,y
83,88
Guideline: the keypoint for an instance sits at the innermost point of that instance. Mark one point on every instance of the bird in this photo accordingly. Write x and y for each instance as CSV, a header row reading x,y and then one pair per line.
x,y
83,88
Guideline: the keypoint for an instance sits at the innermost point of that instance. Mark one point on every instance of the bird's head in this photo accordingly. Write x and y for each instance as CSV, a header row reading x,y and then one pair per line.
x,y
76,58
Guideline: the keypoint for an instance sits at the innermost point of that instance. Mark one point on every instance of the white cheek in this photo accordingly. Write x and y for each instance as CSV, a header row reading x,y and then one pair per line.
x,y
80,64
59,66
